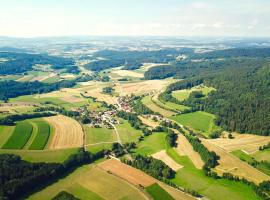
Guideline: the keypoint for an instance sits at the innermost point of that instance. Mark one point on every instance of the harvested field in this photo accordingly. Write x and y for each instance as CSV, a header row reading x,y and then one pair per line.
x,y
162,155
128,73
232,164
148,122
176,194
130,174
246,142
68,132
184,148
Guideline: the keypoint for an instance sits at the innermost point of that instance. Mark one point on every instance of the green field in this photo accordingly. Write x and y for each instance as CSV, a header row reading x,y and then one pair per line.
x,y
49,156
99,147
151,144
170,106
127,132
53,79
20,135
182,95
158,193
5,133
147,101
97,135
200,121
42,135
262,155
193,178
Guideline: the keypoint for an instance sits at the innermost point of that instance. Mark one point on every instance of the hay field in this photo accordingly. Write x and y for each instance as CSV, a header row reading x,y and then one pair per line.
x,y
93,183
128,73
247,142
162,155
176,194
148,122
132,175
68,132
232,164
184,148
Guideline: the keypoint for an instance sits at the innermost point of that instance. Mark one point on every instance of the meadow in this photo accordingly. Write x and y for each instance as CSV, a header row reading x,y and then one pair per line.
x,y
127,132
158,193
99,135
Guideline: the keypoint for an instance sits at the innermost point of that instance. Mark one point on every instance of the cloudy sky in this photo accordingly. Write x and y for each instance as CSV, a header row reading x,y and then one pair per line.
x,y
31,18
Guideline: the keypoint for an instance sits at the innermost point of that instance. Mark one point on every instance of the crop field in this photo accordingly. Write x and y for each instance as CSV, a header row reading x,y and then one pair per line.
x,y
193,178
232,164
99,135
128,73
184,94
50,156
246,142
91,182
132,175
176,194
148,121
184,148
5,133
14,108
152,144
42,135
162,155
20,136
158,193
200,121
127,132
68,133
147,101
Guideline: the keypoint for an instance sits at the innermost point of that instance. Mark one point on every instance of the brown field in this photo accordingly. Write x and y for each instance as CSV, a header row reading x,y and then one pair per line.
x,y
230,163
176,194
162,155
141,87
148,122
128,73
68,132
130,174
246,142
184,148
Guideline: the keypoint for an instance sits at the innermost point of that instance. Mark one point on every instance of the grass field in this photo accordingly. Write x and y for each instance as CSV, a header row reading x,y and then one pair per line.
x,y
200,121
42,136
20,136
192,178
152,144
5,133
97,135
98,147
90,182
50,156
147,101
262,155
158,193
127,132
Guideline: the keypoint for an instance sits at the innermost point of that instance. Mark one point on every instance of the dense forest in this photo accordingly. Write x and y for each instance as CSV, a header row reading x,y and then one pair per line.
x,y
241,101
22,62
133,59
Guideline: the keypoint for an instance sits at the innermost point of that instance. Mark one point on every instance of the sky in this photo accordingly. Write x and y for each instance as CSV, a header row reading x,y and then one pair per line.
x,y
34,18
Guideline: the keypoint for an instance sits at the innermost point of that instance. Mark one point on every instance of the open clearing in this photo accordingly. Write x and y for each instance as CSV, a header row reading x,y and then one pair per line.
x,y
162,155
99,135
184,148
132,175
246,142
148,122
232,164
127,132
158,193
90,182
128,73
68,132
147,101
262,155
193,178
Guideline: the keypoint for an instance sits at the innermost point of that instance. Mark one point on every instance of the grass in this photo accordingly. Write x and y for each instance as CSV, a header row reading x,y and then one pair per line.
x,y
90,182
49,156
169,105
147,101
193,178
158,193
127,132
262,155
97,135
152,144
20,136
42,135
53,79
98,147
5,133
200,121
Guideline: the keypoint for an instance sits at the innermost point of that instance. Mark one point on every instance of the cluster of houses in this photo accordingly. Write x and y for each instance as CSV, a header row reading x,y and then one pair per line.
x,y
124,103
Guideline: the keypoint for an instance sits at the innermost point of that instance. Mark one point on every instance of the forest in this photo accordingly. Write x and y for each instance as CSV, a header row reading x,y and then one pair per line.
x,y
21,62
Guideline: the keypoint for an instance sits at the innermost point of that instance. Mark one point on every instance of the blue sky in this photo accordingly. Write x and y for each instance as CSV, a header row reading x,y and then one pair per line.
x,y
31,18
